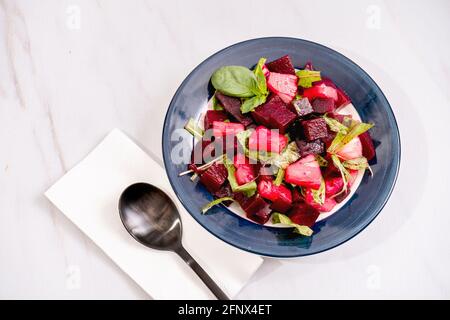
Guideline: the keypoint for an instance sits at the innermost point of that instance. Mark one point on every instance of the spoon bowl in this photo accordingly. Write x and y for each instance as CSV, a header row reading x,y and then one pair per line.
x,y
152,219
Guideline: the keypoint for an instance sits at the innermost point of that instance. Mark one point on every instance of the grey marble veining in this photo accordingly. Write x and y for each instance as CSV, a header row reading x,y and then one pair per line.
x,y
70,71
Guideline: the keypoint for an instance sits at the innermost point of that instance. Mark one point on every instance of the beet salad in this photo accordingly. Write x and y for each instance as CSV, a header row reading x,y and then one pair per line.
x,y
275,141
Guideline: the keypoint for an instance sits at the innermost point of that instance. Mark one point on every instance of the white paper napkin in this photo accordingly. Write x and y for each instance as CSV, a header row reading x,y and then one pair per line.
x,y
88,195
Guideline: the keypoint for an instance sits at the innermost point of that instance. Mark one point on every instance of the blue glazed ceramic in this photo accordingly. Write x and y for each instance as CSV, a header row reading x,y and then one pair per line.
x,y
358,212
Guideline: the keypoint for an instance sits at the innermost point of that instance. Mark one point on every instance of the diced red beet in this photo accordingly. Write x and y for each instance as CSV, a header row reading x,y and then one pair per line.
x,y
303,214
224,191
368,149
321,89
333,186
305,172
221,129
329,138
256,209
343,98
302,106
263,139
323,105
342,196
282,118
284,85
315,129
280,196
262,113
214,177
245,173
351,150
328,205
233,107
282,65
313,147
296,195
214,115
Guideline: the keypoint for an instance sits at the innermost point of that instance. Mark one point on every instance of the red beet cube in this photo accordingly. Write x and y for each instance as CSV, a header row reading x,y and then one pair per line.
x,y
322,89
368,149
302,106
327,206
296,196
263,139
282,118
221,129
343,98
281,65
262,113
214,177
312,147
305,172
303,214
256,209
233,107
315,129
214,115
323,105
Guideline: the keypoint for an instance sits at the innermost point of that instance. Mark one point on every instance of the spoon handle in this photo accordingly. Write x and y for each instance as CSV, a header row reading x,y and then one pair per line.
x,y
202,274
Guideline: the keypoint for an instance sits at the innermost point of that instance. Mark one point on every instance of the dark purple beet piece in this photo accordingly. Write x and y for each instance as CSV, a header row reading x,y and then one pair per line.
x,y
281,65
224,191
368,149
281,118
303,107
214,115
315,129
257,209
323,105
312,147
214,177
329,138
233,106
303,214
262,113
341,196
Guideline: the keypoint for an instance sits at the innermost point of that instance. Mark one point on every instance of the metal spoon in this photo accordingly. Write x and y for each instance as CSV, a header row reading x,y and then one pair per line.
x,y
151,218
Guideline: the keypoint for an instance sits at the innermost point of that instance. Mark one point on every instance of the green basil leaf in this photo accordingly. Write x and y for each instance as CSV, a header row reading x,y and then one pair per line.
x,y
250,104
260,78
356,164
215,202
194,129
342,170
281,218
335,125
248,189
307,77
236,81
280,177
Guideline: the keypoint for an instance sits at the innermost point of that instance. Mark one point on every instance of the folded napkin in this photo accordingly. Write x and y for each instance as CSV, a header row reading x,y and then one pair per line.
x,y
88,195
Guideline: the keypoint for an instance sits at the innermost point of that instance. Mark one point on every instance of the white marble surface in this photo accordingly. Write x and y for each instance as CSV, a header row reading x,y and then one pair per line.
x,y
72,70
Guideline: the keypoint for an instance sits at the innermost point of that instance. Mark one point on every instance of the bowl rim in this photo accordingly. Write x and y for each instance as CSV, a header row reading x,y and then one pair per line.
x,y
297,255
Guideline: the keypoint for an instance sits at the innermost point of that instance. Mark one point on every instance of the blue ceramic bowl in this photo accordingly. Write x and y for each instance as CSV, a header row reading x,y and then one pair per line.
x,y
358,212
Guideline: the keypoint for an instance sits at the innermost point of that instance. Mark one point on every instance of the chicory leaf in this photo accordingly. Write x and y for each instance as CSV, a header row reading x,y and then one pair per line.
x,y
335,125
214,203
283,219
194,129
307,77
